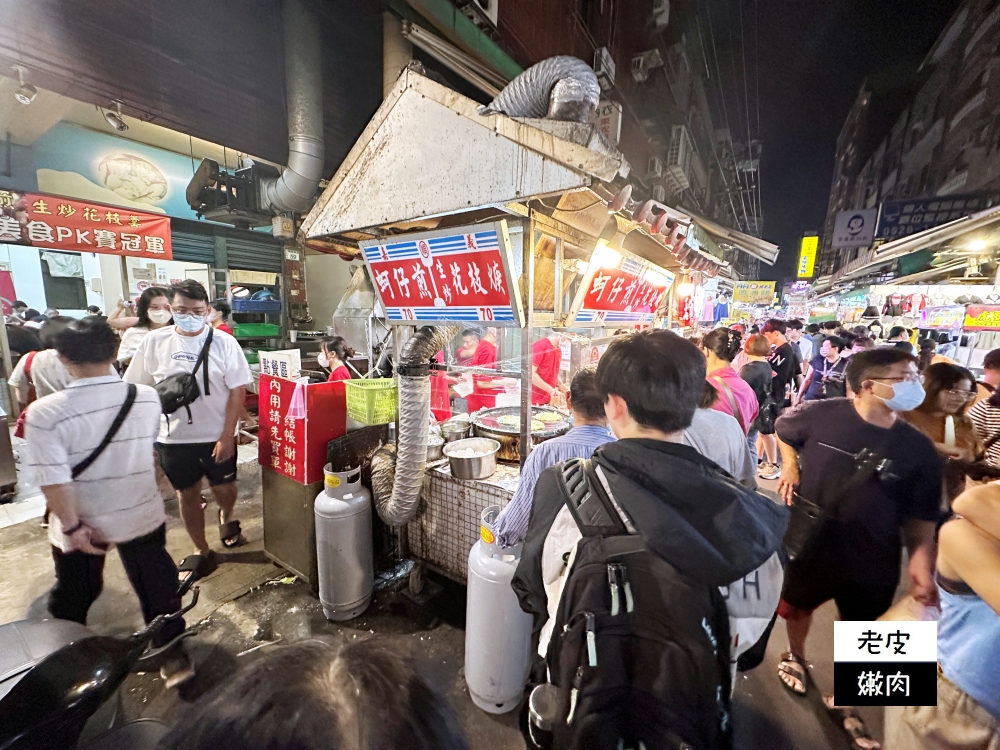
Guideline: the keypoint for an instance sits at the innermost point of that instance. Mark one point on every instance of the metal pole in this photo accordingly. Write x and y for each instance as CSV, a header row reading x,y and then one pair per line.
x,y
528,251
557,302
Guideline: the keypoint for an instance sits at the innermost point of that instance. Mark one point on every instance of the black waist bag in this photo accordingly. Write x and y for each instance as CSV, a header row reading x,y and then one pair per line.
x,y
181,390
639,652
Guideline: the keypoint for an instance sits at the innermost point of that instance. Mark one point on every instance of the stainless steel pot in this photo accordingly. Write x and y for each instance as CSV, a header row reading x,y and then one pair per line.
x,y
485,424
476,467
453,430
434,445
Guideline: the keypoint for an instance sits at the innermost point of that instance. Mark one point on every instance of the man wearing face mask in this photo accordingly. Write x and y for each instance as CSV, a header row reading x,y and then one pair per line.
x,y
203,445
854,558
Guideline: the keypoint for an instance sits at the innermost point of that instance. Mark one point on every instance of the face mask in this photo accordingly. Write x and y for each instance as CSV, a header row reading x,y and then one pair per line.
x,y
322,360
906,396
160,317
190,323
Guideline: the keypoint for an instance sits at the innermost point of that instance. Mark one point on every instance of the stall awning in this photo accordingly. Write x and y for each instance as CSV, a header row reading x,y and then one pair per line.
x,y
726,237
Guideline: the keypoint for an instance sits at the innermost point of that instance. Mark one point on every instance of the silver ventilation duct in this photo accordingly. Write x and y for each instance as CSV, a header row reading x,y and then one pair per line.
x,y
295,188
559,88
414,421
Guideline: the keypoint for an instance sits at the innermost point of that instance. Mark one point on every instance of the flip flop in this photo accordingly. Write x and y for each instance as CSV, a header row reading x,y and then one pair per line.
x,y
853,725
197,567
793,673
230,533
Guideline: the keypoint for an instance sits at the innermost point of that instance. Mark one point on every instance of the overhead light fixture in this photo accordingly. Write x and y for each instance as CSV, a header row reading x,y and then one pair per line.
x,y
605,256
25,93
114,118
977,246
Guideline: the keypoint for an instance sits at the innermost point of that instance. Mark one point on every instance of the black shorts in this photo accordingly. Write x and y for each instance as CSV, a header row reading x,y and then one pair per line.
x,y
186,463
810,583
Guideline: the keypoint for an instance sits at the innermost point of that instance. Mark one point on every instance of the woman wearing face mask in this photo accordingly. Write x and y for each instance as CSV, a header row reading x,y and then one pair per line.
x,y
333,356
941,417
152,312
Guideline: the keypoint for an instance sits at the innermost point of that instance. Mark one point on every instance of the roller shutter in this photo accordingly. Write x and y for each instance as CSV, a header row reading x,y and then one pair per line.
x,y
193,247
253,255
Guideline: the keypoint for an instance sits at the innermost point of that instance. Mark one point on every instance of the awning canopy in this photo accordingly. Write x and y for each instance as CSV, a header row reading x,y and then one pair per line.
x,y
732,238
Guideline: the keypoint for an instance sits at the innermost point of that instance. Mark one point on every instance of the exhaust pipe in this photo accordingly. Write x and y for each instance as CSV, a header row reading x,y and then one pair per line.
x,y
414,414
295,188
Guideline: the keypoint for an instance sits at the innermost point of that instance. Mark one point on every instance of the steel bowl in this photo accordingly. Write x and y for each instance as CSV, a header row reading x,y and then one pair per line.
x,y
434,445
455,429
478,467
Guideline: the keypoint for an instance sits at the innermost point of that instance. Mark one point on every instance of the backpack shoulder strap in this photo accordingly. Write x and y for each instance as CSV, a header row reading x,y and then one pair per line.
x,y
112,431
732,401
202,360
587,501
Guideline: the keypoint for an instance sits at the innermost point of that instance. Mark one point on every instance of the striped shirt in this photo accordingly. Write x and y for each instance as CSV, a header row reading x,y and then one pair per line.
x,y
117,495
986,418
579,442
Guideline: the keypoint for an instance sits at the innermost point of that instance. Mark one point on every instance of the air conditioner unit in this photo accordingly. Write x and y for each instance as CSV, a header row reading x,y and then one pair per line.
x,y
645,63
487,9
659,193
604,66
655,169
679,158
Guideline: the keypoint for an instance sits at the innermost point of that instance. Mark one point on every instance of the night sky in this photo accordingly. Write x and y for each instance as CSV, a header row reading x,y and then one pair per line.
x,y
813,57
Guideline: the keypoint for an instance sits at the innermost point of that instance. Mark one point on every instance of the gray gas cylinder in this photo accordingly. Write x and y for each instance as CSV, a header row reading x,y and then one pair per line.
x,y
344,544
497,630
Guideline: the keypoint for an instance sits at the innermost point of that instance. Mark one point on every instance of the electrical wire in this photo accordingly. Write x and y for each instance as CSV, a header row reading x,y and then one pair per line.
x,y
746,100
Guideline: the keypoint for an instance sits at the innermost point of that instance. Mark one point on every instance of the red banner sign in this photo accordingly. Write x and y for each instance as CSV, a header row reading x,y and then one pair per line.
x,y
48,221
615,290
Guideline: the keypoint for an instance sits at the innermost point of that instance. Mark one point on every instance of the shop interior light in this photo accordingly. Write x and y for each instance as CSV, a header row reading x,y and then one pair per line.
x,y
685,288
978,245
605,256
114,118
655,278
25,93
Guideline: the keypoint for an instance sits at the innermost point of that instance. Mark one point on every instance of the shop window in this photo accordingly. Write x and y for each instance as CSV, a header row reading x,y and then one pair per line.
x,y
63,292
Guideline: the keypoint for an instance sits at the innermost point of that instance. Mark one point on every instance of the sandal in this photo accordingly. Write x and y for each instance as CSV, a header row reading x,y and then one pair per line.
x,y
793,673
230,533
195,567
853,725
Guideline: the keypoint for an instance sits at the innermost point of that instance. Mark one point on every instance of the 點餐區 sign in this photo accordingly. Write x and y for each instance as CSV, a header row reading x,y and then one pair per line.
x,y
460,274
48,221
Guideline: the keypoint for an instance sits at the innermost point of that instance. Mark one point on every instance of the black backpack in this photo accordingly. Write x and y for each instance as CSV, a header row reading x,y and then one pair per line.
x,y
182,390
639,651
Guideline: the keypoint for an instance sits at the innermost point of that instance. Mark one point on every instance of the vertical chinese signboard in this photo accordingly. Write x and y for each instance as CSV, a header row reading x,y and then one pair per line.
x,y
296,448
48,221
628,293
462,274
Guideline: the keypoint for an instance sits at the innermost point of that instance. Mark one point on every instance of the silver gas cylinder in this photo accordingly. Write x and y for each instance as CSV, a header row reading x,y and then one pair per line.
x,y
344,544
497,630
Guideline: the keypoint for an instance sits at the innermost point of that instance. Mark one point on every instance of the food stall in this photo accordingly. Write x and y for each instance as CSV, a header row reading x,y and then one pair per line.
x,y
523,226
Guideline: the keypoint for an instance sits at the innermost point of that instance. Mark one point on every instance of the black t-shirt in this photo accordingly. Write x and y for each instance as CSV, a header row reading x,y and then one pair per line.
x,y
865,540
785,364
823,369
758,376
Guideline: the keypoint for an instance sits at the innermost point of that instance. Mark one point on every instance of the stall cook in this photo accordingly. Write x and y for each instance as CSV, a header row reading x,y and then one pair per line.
x,y
333,356
546,356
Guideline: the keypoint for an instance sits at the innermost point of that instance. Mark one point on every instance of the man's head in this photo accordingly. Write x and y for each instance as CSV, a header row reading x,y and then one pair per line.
x,y
470,339
812,328
991,368
861,344
793,330
86,345
897,333
19,306
830,325
51,312
886,375
584,400
774,331
651,382
832,346
189,305
51,327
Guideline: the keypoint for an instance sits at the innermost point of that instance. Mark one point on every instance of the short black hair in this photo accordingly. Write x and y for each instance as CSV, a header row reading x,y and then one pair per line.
x,y
896,331
471,332
88,341
812,328
658,374
775,325
310,696
992,360
724,343
222,306
51,327
864,342
19,304
584,396
188,288
830,325
873,363
93,309
795,324
835,341
31,313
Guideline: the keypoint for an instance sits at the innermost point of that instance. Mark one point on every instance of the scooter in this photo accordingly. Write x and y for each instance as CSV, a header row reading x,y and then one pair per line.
x,y
59,686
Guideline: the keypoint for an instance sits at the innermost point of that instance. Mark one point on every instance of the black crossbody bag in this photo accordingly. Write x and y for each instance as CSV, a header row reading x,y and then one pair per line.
x,y
110,435
182,390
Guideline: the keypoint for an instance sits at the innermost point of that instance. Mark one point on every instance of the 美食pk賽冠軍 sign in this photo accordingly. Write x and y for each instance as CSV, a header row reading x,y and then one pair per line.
x,y
982,318
753,292
47,221
460,274
617,295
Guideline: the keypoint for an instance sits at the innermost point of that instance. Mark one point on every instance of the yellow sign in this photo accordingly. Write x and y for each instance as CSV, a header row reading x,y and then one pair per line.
x,y
807,256
982,318
753,292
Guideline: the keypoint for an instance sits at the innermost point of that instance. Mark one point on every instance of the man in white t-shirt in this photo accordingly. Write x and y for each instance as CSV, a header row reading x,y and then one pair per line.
x,y
203,444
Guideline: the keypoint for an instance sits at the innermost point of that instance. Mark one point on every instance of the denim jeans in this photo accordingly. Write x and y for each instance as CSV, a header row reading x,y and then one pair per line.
x,y
752,442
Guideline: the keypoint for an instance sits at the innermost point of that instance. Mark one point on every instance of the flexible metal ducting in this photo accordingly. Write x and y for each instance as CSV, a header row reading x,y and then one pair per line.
x,y
295,188
414,421
383,476
559,88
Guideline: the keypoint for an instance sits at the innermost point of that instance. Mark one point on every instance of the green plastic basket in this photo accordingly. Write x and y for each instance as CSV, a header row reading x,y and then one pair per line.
x,y
256,330
371,401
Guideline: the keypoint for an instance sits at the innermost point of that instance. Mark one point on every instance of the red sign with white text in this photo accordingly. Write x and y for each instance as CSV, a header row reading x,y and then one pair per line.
x,y
613,290
48,221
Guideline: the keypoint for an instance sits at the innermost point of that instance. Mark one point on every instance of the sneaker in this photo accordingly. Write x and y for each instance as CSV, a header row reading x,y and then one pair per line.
x,y
769,471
